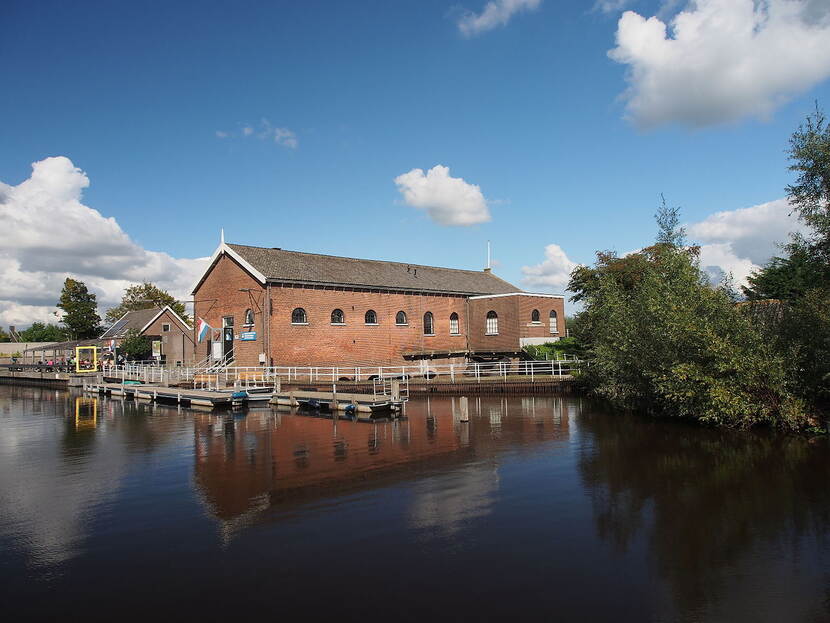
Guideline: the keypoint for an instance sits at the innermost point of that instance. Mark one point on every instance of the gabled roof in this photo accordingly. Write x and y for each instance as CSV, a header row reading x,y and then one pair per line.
x,y
137,320
140,320
175,316
315,269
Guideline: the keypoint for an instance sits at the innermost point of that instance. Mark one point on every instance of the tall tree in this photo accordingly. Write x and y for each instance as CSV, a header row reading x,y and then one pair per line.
x,y
810,194
145,296
4,337
80,310
41,332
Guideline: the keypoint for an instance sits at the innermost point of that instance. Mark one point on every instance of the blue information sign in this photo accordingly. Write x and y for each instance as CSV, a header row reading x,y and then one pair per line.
x,y
248,336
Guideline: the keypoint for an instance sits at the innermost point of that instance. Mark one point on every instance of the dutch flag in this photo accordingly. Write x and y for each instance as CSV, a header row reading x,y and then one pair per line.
x,y
203,329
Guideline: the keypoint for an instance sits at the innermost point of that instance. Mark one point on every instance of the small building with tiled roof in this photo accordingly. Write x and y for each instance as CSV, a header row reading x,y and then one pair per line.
x,y
257,306
171,337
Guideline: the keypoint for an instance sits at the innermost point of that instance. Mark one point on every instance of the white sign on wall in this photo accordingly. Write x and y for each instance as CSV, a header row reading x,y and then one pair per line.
x,y
217,350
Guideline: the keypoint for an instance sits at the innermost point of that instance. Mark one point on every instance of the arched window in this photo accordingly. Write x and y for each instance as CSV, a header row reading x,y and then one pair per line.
x,y
337,317
400,318
453,324
554,327
298,316
534,316
429,329
492,325
371,317
249,318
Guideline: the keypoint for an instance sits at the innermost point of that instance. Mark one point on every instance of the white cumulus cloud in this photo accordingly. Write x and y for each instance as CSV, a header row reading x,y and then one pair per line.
x,y
551,274
741,241
447,200
50,235
495,13
722,60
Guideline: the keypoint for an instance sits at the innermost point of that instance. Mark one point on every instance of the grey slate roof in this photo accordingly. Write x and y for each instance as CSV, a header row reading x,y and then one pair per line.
x,y
137,319
311,268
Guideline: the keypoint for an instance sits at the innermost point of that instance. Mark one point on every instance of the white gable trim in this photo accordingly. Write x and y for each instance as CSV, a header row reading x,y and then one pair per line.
x,y
174,314
224,249
494,296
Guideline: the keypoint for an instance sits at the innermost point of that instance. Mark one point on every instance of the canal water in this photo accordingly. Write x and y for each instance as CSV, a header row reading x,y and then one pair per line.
x,y
539,508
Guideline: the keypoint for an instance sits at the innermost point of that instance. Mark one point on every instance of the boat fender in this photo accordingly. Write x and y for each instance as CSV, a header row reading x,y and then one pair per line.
x,y
350,410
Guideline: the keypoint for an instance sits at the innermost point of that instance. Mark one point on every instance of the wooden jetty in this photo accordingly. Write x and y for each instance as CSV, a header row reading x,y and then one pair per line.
x,y
201,397
360,404
337,401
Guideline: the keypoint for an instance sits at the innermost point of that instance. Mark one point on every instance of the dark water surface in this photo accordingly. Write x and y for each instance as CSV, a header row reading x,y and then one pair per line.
x,y
540,508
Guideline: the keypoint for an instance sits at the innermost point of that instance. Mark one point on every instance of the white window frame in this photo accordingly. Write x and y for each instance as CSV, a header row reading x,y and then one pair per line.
x,y
305,315
491,323
455,324
553,321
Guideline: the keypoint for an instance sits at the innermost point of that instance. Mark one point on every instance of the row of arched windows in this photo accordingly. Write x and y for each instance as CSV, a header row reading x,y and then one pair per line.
x,y
299,316
552,319
491,327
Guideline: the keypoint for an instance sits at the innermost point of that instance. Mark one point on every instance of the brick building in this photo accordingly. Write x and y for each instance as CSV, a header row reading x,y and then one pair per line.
x,y
288,308
171,337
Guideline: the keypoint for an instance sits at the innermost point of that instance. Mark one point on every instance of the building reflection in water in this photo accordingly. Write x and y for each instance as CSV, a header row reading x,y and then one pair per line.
x,y
270,459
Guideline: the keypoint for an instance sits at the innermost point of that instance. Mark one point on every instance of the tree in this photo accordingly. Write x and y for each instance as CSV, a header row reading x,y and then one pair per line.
x,y
135,345
145,296
41,332
80,310
810,195
668,225
784,278
664,341
4,337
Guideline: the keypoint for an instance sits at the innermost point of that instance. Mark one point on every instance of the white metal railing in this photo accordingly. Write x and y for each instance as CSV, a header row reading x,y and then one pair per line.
x,y
228,375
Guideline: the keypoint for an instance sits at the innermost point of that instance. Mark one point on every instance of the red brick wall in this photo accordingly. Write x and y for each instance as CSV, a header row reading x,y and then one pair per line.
x,y
322,343
219,296
514,316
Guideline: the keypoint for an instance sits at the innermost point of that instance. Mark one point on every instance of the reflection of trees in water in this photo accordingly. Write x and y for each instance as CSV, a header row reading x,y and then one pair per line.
x,y
705,500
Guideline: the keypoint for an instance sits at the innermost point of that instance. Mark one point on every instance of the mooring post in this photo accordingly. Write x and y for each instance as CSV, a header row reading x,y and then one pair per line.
x,y
396,390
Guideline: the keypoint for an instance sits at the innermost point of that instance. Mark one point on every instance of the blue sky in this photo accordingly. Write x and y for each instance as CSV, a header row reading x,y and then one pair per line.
x,y
287,123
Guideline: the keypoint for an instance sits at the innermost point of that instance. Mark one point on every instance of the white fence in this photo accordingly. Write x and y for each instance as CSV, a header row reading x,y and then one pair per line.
x,y
310,374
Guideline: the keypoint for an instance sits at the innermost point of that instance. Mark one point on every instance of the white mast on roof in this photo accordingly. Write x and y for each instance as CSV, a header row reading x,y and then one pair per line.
x,y
488,255
222,236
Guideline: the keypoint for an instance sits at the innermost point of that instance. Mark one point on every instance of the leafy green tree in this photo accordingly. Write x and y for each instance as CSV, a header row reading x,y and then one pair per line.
x,y
80,310
810,194
4,337
135,345
784,278
145,296
41,332
665,342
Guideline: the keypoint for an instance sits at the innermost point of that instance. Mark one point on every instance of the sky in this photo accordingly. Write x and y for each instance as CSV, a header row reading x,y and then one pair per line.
x,y
413,131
